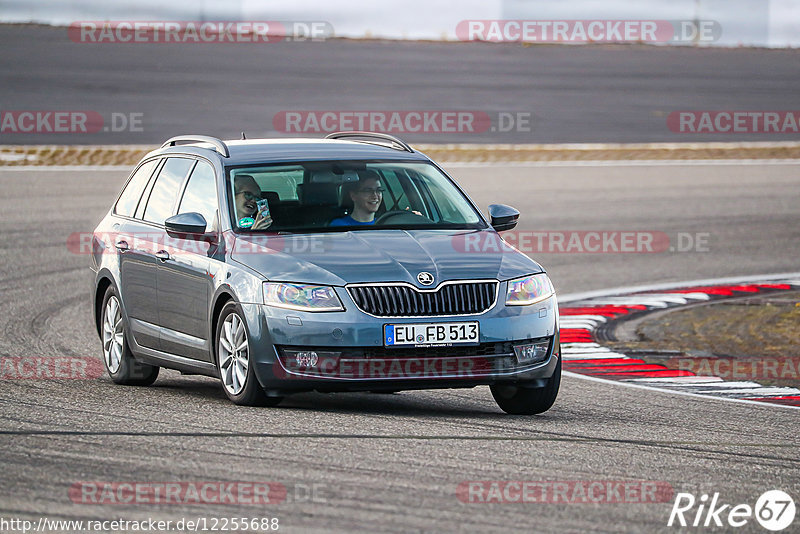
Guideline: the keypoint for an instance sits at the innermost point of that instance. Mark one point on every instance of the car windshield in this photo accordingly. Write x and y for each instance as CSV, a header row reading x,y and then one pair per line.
x,y
346,195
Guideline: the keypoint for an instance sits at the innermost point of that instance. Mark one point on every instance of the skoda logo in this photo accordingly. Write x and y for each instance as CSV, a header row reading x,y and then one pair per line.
x,y
425,278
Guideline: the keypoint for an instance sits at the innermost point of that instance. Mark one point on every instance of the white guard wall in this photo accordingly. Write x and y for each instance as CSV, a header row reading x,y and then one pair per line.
x,y
774,23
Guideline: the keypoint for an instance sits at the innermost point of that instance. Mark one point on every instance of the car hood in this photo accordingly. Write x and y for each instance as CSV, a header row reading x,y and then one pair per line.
x,y
339,258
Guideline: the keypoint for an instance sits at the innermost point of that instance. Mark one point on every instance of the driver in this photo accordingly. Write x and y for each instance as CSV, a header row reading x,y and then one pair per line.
x,y
367,197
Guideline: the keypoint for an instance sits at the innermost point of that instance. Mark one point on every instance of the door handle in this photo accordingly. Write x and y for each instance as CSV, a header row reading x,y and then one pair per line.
x,y
162,255
121,245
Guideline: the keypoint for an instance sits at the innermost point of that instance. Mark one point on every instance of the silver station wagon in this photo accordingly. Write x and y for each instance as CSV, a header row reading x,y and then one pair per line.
x,y
350,263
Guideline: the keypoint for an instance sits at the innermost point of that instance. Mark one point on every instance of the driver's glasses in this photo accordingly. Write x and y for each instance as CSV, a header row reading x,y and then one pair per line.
x,y
248,195
372,191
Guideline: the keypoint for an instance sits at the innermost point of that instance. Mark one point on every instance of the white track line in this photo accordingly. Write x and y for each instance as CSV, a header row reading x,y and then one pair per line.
x,y
29,168
622,163
789,278
680,393
578,325
596,356
682,381
759,391
598,318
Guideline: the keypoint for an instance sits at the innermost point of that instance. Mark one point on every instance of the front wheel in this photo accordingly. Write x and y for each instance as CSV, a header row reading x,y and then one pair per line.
x,y
528,401
117,356
234,363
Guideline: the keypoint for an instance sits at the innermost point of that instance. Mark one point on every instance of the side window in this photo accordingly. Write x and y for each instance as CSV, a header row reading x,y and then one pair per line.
x,y
446,208
130,196
201,193
396,198
165,191
280,180
402,191
147,190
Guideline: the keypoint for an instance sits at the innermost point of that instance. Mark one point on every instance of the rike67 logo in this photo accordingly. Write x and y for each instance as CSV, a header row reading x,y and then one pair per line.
x,y
774,510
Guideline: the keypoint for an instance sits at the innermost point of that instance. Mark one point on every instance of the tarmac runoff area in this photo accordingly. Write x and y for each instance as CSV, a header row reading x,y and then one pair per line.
x,y
415,448
691,372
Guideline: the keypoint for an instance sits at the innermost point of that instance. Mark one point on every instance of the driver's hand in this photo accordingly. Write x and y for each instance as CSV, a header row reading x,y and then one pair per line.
x,y
415,211
261,222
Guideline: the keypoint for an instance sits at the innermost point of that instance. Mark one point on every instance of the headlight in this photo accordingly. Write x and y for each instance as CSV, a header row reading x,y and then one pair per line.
x,y
529,290
304,297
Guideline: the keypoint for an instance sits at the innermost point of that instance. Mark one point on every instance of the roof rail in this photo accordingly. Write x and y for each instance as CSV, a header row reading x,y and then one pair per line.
x,y
395,142
219,145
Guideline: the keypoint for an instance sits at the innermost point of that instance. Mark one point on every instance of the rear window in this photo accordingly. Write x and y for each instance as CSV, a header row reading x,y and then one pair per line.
x,y
200,195
166,189
130,196
282,180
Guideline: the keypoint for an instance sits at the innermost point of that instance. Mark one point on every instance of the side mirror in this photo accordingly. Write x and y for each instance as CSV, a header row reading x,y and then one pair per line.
x,y
503,217
186,223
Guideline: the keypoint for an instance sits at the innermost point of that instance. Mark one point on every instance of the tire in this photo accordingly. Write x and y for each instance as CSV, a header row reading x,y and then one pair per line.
x,y
232,351
117,356
517,400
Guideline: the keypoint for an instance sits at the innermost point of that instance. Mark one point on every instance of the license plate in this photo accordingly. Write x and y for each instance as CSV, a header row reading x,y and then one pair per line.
x,y
431,334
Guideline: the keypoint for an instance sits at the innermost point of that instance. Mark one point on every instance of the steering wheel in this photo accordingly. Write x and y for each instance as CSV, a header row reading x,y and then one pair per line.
x,y
401,216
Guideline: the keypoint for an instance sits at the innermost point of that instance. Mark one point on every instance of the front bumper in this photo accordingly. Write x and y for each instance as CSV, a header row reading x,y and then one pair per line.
x,y
355,370
351,355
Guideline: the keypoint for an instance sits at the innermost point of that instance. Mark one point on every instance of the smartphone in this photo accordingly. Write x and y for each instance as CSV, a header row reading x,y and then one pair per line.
x,y
262,207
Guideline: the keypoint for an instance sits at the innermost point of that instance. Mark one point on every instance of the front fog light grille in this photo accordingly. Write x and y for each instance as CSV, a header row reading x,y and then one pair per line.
x,y
532,352
305,360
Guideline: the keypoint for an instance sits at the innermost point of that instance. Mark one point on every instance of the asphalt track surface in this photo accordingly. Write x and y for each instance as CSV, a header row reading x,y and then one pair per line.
x,y
393,462
574,94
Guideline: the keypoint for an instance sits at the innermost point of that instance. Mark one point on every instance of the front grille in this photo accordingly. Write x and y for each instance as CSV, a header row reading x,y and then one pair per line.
x,y
394,300
482,349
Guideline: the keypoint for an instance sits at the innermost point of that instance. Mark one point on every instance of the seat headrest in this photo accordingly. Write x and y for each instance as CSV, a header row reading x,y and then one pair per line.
x,y
324,194
271,196
326,176
344,194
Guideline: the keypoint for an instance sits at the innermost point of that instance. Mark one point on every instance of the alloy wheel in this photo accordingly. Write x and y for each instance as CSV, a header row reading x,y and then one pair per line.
x,y
113,337
234,355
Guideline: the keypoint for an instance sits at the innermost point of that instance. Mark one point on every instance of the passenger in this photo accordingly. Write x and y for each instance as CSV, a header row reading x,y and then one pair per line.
x,y
367,197
247,194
